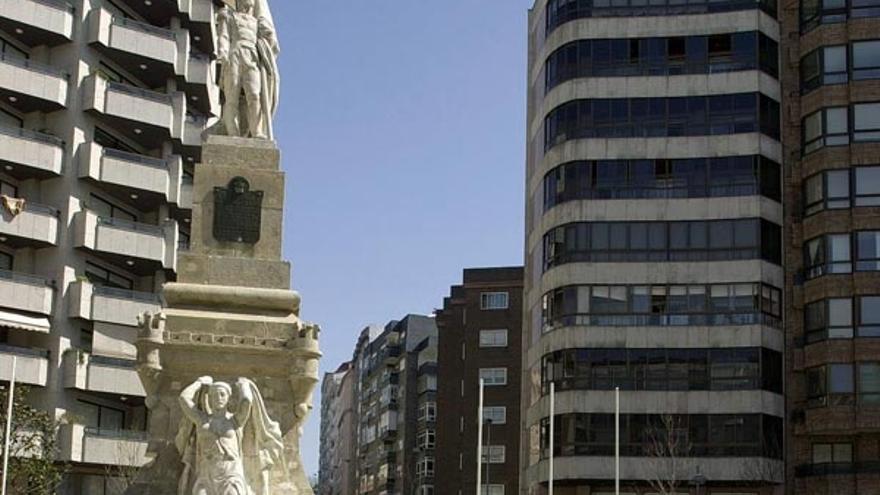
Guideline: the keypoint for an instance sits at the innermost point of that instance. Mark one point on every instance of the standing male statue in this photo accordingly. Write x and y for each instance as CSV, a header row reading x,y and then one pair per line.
x,y
227,448
247,48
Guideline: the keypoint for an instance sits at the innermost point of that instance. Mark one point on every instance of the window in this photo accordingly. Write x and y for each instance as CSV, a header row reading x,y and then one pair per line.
x,y
868,250
425,467
106,209
86,339
94,484
867,186
492,490
832,384
832,453
103,417
427,439
493,338
493,454
7,49
426,490
869,383
428,411
827,190
869,316
829,319
493,376
826,127
103,277
496,414
866,122
828,254
866,59
493,300
107,140
826,65
816,12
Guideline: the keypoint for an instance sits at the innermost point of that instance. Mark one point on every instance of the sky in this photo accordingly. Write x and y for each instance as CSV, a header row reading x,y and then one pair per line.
x,y
401,128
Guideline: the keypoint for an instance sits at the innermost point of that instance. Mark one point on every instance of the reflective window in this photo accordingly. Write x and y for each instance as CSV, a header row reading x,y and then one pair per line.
x,y
868,250
832,453
842,318
559,12
828,254
663,178
661,56
867,186
715,240
869,383
827,190
866,60
866,122
660,117
661,305
816,12
826,127
823,66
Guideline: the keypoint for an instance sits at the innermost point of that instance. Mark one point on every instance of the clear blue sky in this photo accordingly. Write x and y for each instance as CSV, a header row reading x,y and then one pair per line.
x,y
402,127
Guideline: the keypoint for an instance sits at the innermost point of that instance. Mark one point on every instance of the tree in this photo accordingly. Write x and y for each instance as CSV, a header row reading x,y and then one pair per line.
x,y
668,450
33,447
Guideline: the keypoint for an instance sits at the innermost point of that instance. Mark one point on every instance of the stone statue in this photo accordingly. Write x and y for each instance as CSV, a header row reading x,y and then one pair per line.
x,y
227,448
248,49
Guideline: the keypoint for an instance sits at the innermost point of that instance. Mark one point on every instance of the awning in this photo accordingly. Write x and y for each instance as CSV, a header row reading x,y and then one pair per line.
x,y
24,322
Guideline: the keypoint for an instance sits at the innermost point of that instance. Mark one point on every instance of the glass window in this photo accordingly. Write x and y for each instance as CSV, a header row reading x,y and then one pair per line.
x,y
828,453
869,383
493,376
107,209
493,300
494,454
868,250
866,59
493,338
839,254
866,122
838,189
840,379
867,186
869,316
102,277
840,318
497,414
834,64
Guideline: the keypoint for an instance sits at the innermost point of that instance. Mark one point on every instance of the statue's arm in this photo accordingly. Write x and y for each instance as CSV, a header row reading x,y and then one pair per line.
x,y
243,413
223,34
187,400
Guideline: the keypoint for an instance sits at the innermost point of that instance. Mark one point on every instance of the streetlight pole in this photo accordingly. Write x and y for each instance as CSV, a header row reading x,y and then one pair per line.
x,y
488,451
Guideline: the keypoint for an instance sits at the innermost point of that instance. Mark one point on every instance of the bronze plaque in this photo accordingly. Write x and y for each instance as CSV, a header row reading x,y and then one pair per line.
x,y
237,212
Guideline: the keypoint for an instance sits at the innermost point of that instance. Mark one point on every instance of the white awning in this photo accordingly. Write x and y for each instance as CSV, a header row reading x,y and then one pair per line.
x,y
24,322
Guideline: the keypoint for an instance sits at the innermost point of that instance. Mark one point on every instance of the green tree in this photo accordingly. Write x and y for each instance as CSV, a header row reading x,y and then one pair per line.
x,y
33,466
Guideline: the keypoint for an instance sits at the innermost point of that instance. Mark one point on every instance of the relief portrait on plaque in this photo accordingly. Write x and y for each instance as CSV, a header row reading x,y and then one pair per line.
x,y
237,212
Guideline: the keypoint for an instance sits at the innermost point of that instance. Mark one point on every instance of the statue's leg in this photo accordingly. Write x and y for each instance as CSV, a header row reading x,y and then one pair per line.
x,y
251,84
232,93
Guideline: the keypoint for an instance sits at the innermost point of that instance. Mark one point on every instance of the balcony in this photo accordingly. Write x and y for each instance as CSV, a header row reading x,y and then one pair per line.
x,y
35,226
41,22
146,181
26,154
147,117
142,248
78,443
109,305
29,86
153,53
84,371
200,84
31,365
24,292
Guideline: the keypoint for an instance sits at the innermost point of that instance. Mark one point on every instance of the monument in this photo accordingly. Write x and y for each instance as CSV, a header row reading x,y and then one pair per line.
x,y
228,365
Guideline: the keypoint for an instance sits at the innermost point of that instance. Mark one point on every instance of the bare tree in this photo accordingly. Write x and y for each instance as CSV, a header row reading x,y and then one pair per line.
x,y
129,459
668,452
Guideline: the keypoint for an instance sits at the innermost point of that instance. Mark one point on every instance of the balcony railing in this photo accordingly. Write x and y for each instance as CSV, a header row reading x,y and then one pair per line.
x,y
33,66
148,297
31,135
41,209
114,433
139,92
122,223
667,320
145,27
23,351
25,278
114,362
136,158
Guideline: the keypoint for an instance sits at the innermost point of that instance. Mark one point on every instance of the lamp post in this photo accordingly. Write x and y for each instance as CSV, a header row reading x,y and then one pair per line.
x,y
488,451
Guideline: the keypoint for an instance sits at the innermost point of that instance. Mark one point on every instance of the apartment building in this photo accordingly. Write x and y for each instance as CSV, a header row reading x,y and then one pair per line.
x,y
397,384
102,108
338,435
831,123
480,336
654,236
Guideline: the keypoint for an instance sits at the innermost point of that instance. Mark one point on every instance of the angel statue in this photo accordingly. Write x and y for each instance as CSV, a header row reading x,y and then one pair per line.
x,y
226,449
247,48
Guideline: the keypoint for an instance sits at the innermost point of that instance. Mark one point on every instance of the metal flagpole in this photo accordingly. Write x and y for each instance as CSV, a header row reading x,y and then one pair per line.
x,y
480,439
616,440
8,428
552,432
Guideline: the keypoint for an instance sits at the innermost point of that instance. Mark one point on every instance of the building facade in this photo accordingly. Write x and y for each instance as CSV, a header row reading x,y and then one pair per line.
x,y
480,335
102,108
337,454
397,377
831,117
654,232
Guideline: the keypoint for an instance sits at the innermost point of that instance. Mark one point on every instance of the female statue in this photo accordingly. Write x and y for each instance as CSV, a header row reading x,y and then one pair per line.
x,y
227,450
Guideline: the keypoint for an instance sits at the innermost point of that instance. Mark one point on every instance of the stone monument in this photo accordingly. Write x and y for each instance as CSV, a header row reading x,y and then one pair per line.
x,y
228,366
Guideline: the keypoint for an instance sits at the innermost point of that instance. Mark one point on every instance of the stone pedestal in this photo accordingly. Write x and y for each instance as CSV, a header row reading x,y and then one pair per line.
x,y
230,315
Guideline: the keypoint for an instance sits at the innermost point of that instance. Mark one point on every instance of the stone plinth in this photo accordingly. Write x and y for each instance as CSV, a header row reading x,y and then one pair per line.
x,y
230,315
